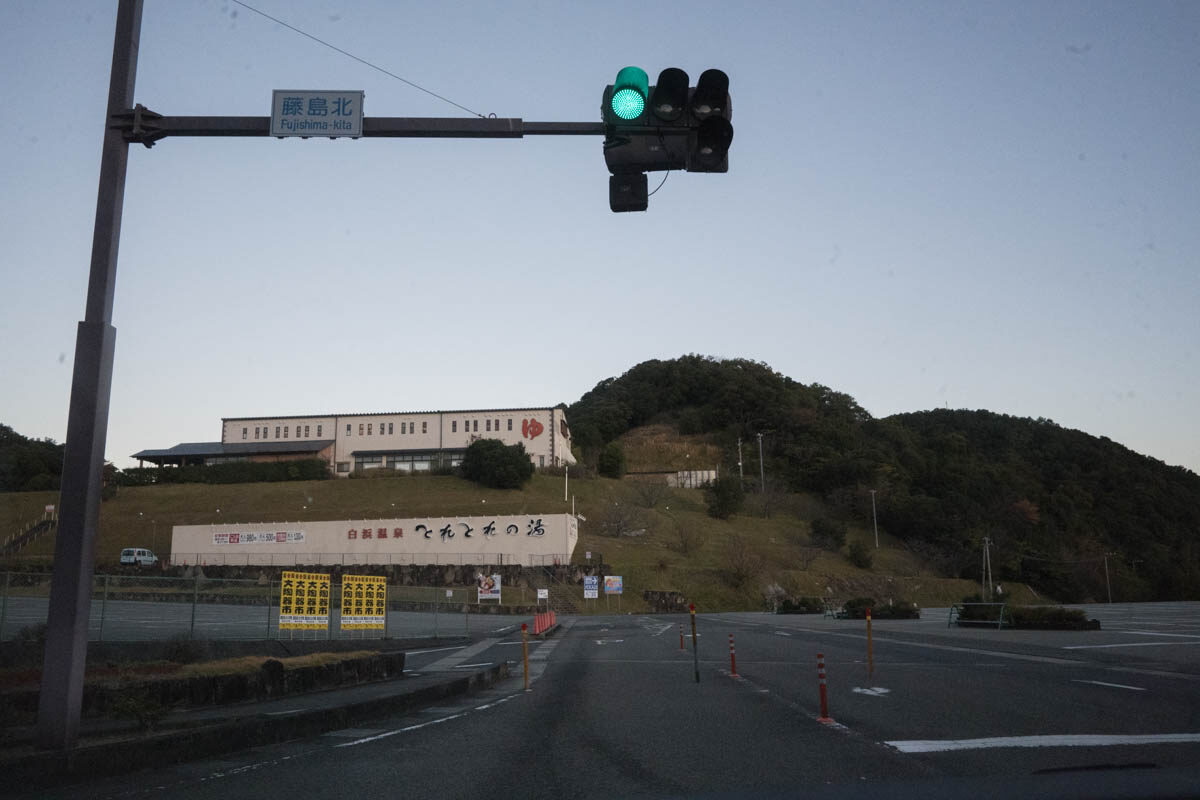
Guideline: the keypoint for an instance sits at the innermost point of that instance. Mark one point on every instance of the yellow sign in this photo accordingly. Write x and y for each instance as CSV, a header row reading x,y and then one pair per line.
x,y
364,602
304,601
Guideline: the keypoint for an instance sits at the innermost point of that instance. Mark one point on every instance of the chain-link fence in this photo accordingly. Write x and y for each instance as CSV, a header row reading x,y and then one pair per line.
x,y
144,608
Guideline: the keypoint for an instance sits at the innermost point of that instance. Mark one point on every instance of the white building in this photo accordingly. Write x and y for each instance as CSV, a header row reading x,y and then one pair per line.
x,y
414,441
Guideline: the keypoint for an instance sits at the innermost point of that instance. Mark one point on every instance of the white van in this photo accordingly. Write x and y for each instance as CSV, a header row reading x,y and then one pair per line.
x,y
138,555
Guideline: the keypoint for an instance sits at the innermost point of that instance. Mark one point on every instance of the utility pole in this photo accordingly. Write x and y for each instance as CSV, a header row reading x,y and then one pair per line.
x,y
1107,583
874,521
762,477
986,579
741,474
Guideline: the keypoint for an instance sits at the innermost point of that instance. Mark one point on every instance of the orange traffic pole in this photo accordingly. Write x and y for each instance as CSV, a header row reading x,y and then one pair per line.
x,y
824,694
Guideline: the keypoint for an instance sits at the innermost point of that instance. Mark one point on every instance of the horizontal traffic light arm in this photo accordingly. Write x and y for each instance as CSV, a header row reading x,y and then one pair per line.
x,y
143,126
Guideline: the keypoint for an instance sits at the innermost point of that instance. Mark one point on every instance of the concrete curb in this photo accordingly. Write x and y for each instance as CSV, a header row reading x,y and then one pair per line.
x,y
47,768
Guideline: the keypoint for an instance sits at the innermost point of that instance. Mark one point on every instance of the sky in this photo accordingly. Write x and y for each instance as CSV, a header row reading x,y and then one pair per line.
x,y
929,205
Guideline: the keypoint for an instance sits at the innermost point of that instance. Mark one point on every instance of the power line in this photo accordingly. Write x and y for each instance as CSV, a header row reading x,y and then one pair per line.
x,y
356,58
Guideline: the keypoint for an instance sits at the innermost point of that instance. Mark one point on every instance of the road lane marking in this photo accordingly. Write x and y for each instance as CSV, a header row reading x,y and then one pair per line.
x,y
1114,685
386,734
874,691
1158,633
450,662
1075,740
437,650
782,633
468,666
926,645
1126,644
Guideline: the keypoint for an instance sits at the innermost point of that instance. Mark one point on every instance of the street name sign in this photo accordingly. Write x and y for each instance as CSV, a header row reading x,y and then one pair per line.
x,y
314,113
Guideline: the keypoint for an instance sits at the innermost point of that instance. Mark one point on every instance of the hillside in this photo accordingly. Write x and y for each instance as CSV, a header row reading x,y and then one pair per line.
x,y
1053,501
1069,514
773,552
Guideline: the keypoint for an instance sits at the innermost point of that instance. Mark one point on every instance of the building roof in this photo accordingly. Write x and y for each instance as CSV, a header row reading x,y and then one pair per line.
x,y
199,449
395,413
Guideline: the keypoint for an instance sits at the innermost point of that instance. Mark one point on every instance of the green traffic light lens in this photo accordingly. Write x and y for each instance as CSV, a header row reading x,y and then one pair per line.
x,y
628,104
630,91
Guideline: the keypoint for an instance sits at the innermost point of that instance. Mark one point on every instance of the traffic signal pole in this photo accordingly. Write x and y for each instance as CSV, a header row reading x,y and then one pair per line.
x,y
87,420
91,383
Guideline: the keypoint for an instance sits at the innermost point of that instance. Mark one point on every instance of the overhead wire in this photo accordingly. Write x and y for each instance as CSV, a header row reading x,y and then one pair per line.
x,y
356,58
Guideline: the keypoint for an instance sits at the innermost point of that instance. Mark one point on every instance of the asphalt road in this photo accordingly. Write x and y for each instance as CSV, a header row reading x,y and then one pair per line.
x,y
614,710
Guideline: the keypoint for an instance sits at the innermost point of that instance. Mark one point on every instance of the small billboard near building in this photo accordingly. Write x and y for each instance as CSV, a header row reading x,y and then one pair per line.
x,y
489,587
364,602
303,601
613,584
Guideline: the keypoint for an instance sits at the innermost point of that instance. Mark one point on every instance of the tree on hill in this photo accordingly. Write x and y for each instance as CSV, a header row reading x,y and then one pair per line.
x,y
491,463
724,497
1054,500
612,461
28,465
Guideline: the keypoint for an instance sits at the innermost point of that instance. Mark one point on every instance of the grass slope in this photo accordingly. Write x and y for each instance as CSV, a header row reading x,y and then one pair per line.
x,y
654,559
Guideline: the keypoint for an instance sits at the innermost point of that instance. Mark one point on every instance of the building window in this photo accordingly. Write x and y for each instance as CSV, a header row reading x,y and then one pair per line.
x,y
477,426
256,432
454,427
497,424
510,423
318,431
360,429
541,461
390,428
276,431
369,429
285,431
487,424
344,466
297,431
403,427
424,427
245,433
305,431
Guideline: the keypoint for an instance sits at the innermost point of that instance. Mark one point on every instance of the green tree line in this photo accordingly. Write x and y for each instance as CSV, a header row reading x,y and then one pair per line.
x,y
1054,501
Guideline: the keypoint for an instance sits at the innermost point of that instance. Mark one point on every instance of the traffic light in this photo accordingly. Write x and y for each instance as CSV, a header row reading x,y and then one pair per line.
x,y
667,126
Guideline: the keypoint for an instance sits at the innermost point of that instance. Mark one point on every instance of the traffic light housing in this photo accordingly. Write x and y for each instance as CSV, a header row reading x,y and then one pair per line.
x,y
667,126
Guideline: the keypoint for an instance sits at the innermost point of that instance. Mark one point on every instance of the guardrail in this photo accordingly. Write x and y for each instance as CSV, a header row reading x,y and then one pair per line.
x,y
956,614
158,608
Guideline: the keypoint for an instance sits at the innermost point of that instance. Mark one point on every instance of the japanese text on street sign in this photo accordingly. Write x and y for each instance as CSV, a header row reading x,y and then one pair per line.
x,y
303,601
308,113
543,594
591,587
364,602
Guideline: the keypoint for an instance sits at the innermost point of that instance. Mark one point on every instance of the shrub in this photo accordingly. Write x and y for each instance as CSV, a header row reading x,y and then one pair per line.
x,y
828,533
489,462
611,463
860,555
801,605
897,609
724,497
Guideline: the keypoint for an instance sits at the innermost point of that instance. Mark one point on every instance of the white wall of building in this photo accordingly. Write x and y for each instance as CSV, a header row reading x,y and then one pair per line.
x,y
531,540
543,432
